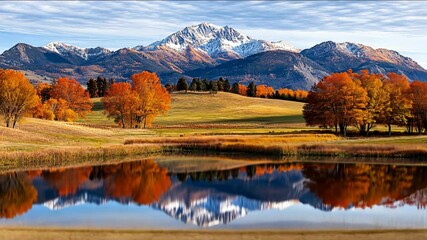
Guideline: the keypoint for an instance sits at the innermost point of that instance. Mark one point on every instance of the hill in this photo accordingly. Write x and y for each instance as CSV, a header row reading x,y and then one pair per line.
x,y
338,57
229,108
201,108
274,68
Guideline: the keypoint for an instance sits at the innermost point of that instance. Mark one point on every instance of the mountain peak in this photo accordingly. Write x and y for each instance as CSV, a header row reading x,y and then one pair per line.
x,y
205,25
67,50
216,41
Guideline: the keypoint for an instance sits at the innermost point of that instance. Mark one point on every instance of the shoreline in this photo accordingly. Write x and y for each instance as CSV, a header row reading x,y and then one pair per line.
x,y
37,233
80,156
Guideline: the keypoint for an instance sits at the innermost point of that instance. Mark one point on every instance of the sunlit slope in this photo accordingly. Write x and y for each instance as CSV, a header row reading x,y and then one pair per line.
x,y
228,108
221,108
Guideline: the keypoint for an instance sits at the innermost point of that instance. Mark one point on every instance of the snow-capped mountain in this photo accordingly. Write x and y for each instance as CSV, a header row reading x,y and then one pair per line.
x,y
361,51
70,51
208,204
337,57
70,201
216,42
214,210
210,51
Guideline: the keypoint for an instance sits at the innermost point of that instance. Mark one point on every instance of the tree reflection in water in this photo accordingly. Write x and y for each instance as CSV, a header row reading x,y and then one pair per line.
x,y
17,194
144,182
362,185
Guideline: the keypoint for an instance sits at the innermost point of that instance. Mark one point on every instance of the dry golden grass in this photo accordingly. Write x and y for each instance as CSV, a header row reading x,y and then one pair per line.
x,y
325,145
37,134
260,144
369,151
19,160
248,139
106,234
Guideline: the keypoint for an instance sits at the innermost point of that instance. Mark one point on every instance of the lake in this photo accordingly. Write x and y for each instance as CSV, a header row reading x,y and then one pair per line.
x,y
213,193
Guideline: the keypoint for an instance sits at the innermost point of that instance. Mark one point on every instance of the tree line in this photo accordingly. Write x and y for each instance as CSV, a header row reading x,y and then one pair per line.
x,y
364,100
251,90
99,87
64,99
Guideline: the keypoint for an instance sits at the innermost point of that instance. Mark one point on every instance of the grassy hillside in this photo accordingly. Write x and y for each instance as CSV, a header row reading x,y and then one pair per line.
x,y
228,108
192,113
220,109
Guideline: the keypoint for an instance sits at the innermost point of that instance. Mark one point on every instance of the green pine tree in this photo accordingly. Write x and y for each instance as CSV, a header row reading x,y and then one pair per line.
x,y
92,88
182,84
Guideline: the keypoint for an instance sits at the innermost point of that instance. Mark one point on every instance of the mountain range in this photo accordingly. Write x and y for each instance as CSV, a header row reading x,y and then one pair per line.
x,y
204,203
210,203
209,51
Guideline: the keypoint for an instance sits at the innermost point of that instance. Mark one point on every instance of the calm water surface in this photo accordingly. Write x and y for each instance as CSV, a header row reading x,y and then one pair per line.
x,y
153,194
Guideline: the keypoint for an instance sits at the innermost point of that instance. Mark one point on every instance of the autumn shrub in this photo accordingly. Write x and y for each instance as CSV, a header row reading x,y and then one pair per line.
x,y
64,100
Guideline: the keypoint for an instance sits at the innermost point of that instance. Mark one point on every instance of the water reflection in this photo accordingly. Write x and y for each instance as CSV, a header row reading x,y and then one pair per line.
x,y
209,198
17,194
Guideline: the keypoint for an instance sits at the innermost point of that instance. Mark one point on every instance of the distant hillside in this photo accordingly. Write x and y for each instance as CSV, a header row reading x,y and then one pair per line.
x,y
274,68
338,57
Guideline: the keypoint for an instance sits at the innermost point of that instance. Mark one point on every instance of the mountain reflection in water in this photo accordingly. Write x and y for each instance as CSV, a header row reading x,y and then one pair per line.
x,y
210,198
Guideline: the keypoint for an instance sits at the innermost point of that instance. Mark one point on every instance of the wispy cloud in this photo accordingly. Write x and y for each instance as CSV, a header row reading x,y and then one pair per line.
x,y
129,23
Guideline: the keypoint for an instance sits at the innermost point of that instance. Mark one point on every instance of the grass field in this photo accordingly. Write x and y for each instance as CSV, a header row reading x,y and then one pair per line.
x,y
229,110
237,123
78,234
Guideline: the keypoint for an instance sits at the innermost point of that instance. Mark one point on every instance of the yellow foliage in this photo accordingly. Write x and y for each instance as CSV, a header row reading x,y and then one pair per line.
x,y
17,96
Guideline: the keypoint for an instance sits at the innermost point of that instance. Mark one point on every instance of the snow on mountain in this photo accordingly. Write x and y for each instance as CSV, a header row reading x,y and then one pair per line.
x,y
214,210
355,49
64,49
64,202
215,41
358,52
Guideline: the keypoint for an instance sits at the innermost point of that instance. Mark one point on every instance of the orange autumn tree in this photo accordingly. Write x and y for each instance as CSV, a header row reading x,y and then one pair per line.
x,y
398,106
153,98
64,100
264,91
119,103
138,106
418,96
300,94
77,98
17,96
377,99
336,101
242,90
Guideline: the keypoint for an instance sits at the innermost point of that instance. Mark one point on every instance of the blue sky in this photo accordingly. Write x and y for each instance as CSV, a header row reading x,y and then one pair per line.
x,y
397,25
